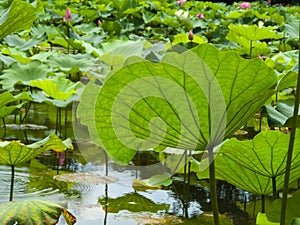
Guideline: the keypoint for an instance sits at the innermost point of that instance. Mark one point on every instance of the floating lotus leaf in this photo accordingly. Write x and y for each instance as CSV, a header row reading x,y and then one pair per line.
x,y
33,212
85,178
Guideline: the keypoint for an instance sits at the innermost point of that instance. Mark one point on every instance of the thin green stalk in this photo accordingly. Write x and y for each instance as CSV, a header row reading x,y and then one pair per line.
x,y
4,126
12,183
291,147
212,186
274,188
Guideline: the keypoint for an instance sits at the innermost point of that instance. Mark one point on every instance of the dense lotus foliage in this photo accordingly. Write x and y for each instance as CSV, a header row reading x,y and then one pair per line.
x,y
58,52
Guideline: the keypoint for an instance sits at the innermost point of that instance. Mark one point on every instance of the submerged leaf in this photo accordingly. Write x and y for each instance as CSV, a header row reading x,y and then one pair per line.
x,y
33,212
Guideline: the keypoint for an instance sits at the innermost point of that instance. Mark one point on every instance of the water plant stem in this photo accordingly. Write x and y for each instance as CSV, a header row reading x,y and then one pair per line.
x,y
290,149
12,183
212,186
263,204
274,188
4,126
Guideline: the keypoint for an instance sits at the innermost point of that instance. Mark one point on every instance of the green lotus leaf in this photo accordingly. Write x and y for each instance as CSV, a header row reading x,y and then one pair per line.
x,y
132,112
18,55
23,74
252,33
19,43
292,26
282,114
292,210
20,16
15,153
7,98
251,165
132,202
41,97
58,88
34,212
71,63
287,81
261,219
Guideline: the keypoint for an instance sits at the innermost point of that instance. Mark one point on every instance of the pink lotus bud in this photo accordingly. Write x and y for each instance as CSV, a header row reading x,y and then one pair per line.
x,y
269,2
200,15
191,35
68,15
245,5
99,22
181,2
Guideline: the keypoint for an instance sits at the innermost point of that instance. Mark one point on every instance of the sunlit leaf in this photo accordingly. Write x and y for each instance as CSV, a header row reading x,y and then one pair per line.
x,y
34,212
20,16
252,164
261,219
132,96
58,88
15,153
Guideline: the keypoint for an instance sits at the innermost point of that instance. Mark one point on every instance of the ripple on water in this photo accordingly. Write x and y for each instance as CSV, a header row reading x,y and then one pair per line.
x,y
21,184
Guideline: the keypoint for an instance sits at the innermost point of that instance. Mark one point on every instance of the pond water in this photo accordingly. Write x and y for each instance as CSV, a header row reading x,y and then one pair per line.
x,y
113,203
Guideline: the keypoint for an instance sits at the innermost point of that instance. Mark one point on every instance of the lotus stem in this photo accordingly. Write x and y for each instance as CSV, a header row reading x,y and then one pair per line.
x,y
212,186
12,183
274,188
4,126
291,148
263,204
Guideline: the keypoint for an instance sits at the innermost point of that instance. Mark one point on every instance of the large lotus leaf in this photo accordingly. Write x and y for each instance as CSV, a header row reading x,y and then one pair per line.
x,y
41,97
21,44
252,164
86,109
15,153
292,26
187,101
33,212
23,74
292,211
16,54
282,114
245,84
132,202
287,81
8,98
125,48
58,88
20,16
251,33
